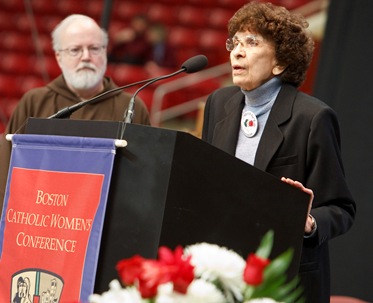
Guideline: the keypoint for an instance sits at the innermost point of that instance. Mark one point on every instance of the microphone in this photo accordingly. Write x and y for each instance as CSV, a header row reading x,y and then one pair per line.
x,y
67,111
192,65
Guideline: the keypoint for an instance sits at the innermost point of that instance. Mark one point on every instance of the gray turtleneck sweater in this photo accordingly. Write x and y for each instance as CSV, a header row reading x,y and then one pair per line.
x,y
259,101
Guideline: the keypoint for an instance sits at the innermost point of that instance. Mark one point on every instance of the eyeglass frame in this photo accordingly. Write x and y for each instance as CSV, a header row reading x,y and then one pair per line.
x,y
232,42
93,50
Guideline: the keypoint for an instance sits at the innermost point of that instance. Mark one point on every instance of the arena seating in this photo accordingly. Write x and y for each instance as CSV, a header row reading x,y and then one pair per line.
x,y
27,58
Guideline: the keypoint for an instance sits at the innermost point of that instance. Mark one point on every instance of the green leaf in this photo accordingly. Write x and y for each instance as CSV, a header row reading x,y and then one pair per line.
x,y
275,284
294,297
289,292
288,288
279,265
248,292
265,247
267,288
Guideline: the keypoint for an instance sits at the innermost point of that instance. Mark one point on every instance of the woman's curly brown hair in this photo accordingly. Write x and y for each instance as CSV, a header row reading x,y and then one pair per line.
x,y
287,31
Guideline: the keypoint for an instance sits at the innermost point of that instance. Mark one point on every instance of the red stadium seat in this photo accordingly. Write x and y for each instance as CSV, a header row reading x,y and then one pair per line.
x,y
67,7
181,37
9,104
291,4
183,54
115,27
19,42
8,86
205,3
6,21
123,74
162,13
24,84
14,5
173,2
43,7
17,64
21,23
45,43
185,42
212,44
47,66
46,23
192,16
219,17
123,11
232,4
212,39
95,8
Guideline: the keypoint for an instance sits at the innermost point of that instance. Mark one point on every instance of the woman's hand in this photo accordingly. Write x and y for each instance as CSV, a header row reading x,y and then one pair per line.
x,y
310,223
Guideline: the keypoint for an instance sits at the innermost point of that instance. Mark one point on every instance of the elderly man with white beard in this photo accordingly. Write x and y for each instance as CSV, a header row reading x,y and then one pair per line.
x,y
80,50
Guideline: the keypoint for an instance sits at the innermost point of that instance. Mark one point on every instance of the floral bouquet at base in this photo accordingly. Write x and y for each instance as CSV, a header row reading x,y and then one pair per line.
x,y
204,273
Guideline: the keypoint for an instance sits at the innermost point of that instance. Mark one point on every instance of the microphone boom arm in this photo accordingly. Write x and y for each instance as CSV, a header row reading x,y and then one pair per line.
x,y
191,65
131,106
68,110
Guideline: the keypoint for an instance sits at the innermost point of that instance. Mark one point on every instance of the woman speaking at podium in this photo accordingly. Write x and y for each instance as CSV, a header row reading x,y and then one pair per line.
x,y
265,121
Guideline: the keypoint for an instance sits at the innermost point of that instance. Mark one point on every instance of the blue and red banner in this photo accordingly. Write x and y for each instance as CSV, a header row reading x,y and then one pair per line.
x,y
52,218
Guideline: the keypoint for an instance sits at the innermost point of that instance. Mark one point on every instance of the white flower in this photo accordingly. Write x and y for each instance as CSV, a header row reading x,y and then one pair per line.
x,y
199,291
166,294
219,264
117,294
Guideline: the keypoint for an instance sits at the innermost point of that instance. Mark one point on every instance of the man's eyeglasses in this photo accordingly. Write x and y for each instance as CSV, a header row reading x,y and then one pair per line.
x,y
76,51
246,42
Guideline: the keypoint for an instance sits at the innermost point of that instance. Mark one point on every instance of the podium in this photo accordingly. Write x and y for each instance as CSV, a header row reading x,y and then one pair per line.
x,y
171,188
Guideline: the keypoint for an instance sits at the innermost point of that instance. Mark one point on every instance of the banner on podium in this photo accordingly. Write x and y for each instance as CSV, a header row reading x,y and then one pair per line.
x,y
52,218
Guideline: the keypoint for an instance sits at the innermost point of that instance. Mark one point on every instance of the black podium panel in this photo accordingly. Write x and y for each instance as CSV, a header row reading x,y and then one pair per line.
x,y
170,188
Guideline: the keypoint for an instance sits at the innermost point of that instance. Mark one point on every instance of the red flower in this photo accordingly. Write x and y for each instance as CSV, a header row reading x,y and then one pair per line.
x,y
129,270
253,273
154,274
181,272
149,274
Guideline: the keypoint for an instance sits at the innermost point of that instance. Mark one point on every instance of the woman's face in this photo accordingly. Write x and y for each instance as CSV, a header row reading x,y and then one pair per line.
x,y
253,60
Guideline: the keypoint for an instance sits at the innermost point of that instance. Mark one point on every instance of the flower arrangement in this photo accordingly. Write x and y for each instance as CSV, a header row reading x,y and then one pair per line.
x,y
205,273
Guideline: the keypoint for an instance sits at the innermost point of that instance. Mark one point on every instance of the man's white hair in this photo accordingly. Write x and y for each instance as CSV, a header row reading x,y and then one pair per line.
x,y
56,33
